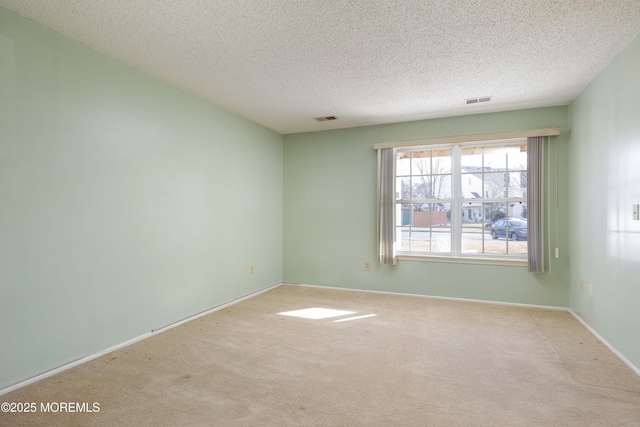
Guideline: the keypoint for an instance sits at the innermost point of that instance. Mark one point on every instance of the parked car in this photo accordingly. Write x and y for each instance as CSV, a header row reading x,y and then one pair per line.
x,y
515,228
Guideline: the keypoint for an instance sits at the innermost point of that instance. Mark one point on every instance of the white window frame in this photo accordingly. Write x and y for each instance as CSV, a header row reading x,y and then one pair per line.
x,y
456,201
460,140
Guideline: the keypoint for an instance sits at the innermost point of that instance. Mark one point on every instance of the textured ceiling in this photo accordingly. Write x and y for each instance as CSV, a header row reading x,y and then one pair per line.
x,y
281,63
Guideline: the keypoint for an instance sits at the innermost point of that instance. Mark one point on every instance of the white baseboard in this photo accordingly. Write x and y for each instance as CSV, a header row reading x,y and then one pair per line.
x,y
153,332
626,361
511,304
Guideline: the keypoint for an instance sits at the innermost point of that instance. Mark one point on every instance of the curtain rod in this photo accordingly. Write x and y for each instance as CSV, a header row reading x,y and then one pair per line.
x,y
495,136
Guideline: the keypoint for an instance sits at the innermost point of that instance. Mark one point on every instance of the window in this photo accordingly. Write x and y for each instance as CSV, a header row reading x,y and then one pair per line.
x,y
462,200
447,197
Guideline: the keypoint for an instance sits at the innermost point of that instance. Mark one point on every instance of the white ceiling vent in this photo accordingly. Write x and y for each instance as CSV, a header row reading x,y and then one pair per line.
x,y
325,119
477,100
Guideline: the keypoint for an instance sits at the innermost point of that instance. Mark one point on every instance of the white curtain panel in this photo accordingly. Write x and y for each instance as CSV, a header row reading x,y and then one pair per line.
x,y
534,203
386,197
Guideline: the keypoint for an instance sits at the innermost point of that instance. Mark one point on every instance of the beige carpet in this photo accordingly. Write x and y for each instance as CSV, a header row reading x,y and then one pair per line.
x,y
418,362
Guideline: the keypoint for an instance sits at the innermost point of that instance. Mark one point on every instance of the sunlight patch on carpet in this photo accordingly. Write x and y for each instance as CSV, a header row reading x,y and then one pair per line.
x,y
316,313
364,316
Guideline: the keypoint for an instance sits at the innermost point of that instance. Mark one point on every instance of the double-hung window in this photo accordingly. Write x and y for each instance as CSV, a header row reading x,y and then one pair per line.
x,y
467,199
471,197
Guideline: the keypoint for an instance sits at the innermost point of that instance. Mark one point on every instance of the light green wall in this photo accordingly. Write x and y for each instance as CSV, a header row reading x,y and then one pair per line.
x,y
605,184
125,203
330,214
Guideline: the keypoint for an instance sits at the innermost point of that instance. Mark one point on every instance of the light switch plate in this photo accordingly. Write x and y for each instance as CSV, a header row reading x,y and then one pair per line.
x,y
636,212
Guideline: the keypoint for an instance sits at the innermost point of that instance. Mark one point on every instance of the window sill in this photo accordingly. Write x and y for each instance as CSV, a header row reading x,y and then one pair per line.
x,y
513,262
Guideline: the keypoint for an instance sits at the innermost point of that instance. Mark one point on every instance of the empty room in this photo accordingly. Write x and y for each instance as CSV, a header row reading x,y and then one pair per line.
x,y
350,213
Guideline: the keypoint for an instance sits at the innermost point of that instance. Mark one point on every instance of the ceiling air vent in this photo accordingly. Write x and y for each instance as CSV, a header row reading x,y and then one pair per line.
x,y
477,100
325,119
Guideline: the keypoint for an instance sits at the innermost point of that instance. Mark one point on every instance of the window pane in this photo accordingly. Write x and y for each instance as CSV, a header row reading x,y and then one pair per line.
x,y
472,172
471,161
474,237
517,157
403,164
439,214
403,188
495,245
520,247
403,214
508,157
403,226
431,174
420,239
441,240
517,210
421,187
402,238
495,158
441,162
516,184
516,236
494,211
440,223
495,185
414,235
441,186
471,186
471,214
421,162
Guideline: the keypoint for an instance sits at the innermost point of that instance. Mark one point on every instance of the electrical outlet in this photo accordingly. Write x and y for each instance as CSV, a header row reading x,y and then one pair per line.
x,y
367,266
590,290
251,269
581,285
